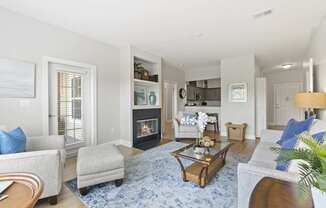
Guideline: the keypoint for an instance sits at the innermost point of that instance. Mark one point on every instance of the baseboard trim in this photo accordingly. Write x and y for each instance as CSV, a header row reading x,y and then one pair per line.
x,y
125,143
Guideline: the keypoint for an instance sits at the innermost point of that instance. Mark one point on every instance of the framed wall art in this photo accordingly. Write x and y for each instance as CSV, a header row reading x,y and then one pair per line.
x,y
238,92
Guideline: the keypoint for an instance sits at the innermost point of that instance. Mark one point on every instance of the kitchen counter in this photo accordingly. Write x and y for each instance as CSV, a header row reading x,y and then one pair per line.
x,y
205,109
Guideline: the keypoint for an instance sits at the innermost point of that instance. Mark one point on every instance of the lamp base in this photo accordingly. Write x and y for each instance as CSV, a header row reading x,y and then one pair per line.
x,y
309,113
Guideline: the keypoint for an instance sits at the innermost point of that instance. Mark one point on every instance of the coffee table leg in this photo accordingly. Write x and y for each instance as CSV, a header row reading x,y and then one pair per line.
x,y
203,184
184,177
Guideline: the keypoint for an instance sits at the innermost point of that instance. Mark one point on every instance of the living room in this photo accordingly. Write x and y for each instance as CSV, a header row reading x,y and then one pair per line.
x,y
162,104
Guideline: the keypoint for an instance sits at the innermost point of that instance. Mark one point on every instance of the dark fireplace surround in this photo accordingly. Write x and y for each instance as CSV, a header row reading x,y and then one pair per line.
x,y
146,128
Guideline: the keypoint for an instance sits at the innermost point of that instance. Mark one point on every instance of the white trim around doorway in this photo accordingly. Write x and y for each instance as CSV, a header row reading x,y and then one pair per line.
x,y
91,69
175,93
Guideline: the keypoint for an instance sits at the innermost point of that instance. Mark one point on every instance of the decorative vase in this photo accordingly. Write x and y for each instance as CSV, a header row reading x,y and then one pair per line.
x,y
318,197
152,98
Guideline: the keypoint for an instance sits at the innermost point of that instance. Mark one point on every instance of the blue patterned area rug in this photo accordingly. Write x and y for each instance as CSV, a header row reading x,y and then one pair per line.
x,y
153,180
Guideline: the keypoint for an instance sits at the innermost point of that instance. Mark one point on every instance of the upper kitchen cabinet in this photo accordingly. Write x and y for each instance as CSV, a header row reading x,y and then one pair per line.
x,y
213,94
204,90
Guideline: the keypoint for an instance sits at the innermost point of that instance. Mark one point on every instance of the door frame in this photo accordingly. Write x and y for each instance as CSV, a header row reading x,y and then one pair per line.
x,y
175,103
91,70
300,84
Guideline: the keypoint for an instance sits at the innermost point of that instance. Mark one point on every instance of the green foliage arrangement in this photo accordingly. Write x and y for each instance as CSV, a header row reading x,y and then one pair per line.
x,y
312,168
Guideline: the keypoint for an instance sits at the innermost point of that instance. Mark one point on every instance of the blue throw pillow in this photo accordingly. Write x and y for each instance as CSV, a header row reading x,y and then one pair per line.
x,y
291,144
12,142
294,128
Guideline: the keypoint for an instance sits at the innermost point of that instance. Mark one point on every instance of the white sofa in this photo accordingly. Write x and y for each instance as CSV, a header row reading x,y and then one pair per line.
x,y
45,157
262,164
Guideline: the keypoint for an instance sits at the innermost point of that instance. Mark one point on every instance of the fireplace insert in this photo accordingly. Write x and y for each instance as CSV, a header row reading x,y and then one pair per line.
x,y
146,128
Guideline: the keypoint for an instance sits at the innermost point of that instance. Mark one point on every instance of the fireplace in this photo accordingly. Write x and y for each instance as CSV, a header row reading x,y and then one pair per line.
x,y
146,128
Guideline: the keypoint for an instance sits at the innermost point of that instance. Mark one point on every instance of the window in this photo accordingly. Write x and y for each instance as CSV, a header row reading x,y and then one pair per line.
x,y
70,121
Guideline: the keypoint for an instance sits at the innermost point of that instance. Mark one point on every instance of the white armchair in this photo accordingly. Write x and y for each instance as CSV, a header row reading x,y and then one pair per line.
x,y
45,157
182,132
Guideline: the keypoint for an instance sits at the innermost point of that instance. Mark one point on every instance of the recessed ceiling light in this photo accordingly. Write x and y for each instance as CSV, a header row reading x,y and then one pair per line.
x,y
262,13
287,66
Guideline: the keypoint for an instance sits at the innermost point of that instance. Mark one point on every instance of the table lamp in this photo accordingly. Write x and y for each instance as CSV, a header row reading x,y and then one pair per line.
x,y
310,101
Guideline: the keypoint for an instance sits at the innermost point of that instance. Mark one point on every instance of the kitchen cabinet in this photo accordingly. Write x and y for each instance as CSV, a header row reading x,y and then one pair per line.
x,y
213,94
191,93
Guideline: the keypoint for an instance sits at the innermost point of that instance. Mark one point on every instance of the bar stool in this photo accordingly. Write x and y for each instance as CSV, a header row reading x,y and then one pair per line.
x,y
213,122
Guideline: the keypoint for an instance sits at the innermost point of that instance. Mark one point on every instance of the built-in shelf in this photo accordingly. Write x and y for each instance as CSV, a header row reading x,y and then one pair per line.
x,y
145,82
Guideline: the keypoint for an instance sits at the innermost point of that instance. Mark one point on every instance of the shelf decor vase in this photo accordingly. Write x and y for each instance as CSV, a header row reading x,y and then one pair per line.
x,y
152,98
319,198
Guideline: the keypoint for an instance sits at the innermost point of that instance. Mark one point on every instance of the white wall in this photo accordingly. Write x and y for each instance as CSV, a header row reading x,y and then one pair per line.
x,y
317,50
277,77
173,74
204,72
234,70
26,39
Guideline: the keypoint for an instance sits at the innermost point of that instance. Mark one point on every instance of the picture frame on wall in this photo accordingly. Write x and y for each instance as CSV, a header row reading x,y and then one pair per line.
x,y
17,79
238,92
140,95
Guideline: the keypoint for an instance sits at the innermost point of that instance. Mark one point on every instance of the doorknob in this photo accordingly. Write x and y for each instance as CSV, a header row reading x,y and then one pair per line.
x,y
51,116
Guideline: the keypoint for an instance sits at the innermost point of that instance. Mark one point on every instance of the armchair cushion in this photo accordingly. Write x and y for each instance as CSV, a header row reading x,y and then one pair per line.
x,y
12,142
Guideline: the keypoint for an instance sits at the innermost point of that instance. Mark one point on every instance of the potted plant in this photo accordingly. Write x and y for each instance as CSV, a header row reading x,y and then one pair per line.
x,y
312,168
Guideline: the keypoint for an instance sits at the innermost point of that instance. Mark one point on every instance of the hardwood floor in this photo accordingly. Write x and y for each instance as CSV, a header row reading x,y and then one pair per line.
x,y
67,199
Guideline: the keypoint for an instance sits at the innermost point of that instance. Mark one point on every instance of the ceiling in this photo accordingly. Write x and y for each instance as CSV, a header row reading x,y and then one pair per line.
x,y
188,33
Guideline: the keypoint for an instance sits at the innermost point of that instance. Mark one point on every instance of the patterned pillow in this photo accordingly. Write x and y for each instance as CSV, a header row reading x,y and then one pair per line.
x,y
188,119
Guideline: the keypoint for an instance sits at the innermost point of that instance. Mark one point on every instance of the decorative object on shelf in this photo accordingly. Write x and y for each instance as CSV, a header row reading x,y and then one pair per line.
x,y
202,119
238,92
152,98
138,67
182,93
236,131
312,166
145,74
310,101
153,78
17,79
140,95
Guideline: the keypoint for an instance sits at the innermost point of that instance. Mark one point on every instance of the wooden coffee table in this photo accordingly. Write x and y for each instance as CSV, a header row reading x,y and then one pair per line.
x,y
204,167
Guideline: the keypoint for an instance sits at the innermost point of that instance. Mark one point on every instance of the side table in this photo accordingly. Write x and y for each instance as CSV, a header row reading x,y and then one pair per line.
x,y
274,193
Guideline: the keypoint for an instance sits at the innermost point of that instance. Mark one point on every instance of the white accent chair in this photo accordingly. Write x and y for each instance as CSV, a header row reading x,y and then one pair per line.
x,y
184,131
44,157
262,164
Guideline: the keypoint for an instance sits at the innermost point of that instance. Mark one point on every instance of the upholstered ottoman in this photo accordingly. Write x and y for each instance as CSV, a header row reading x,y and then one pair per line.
x,y
99,164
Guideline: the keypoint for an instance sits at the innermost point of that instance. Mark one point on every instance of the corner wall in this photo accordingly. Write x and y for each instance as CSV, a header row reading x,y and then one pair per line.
x,y
26,39
317,51
235,70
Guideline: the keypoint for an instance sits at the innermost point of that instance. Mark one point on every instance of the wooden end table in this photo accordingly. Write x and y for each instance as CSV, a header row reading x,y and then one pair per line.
x,y
205,166
274,193
24,192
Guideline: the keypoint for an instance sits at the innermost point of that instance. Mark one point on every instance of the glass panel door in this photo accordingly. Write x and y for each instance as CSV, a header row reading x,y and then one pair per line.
x,y
69,107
